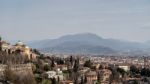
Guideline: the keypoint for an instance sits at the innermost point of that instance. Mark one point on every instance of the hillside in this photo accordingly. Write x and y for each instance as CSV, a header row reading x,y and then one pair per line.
x,y
86,43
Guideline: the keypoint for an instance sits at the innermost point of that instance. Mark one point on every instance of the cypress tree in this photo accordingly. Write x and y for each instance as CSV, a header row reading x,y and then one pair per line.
x,y
85,79
54,81
82,80
0,43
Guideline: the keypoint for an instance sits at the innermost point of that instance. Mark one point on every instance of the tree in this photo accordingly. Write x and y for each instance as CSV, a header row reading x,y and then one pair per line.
x,y
71,60
0,46
46,67
82,80
76,65
9,74
145,72
36,51
60,61
75,70
0,38
45,81
75,80
121,71
25,78
54,81
134,69
53,63
101,67
114,76
98,77
135,82
58,79
88,63
0,43
85,79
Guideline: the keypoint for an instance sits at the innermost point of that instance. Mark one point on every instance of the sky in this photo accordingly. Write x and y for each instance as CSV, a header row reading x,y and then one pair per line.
x,y
29,20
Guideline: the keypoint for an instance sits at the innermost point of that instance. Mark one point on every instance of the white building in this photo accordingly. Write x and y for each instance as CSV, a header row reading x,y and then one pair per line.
x,y
51,74
55,74
124,67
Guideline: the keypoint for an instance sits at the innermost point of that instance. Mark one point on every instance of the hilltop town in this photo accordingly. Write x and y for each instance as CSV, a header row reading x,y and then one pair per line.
x,y
20,64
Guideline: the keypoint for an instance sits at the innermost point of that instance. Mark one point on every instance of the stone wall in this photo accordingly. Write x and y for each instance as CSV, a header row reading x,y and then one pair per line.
x,y
16,67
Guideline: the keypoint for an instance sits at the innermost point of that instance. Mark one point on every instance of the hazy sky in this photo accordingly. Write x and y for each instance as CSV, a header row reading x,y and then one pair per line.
x,y
41,19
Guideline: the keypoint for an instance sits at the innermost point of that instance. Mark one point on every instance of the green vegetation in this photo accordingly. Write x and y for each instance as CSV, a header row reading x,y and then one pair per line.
x,y
88,64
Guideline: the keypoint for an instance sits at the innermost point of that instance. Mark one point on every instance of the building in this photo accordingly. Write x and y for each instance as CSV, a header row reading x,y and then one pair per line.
x,y
124,67
62,67
51,74
55,74
91,77
4,46
18,47
24,50
104,76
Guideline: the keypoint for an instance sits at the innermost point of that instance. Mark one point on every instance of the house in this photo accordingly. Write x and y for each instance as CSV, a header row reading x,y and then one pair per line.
x,y
91,77
105,75
96,66
55,74
21,47
62,67
51,74
83,70
4,46
124,67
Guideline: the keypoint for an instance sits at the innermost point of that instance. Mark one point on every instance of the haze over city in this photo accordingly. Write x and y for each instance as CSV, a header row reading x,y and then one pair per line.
x,y
29,20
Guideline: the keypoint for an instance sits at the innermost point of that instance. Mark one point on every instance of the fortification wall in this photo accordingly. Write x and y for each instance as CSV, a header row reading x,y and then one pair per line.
x,y
16,67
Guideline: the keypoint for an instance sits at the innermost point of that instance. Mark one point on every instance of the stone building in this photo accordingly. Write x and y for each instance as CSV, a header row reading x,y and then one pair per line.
x,y
91,77
19,47
23,49
105,76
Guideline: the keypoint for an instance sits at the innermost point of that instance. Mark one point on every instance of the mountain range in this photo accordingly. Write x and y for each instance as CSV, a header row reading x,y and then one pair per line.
x,y
87,43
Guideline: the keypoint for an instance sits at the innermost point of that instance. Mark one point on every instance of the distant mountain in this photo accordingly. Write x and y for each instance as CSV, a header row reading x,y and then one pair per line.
x,y
80,48
86,43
